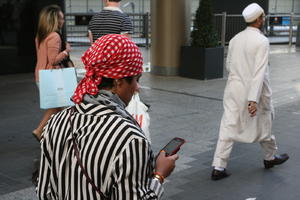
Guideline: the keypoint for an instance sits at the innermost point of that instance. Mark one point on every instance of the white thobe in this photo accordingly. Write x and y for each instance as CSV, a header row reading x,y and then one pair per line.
x,y
248,80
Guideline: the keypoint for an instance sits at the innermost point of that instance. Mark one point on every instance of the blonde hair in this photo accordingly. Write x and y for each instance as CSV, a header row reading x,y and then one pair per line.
x,y
48,22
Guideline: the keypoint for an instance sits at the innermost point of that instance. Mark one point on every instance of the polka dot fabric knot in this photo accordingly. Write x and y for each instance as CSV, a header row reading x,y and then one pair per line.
x,y
112,56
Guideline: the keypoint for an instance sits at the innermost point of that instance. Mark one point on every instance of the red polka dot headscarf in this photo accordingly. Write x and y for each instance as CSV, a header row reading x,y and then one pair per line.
x,y
111,56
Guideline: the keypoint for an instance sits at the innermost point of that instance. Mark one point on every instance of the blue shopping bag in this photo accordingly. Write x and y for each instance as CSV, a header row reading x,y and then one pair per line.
x,y
57,87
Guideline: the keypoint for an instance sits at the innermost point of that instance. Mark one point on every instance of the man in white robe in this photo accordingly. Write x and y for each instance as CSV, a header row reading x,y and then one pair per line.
x,y
248,109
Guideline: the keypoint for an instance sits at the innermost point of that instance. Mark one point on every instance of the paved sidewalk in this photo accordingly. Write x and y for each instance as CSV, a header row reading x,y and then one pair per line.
x,y
181,107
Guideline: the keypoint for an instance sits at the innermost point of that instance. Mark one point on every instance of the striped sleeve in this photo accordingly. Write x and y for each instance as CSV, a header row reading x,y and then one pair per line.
x,y
127,25
133,173
44,186
90,24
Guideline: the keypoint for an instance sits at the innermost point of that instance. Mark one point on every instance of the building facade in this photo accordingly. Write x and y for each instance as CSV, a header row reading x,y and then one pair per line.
x,y
18,22
143,6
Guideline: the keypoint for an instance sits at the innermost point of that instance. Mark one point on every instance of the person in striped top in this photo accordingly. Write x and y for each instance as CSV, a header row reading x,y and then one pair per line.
x,y
111,20
96,149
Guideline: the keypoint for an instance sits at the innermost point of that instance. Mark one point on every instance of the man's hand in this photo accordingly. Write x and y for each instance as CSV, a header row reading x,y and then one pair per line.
x,y
165,164
252,108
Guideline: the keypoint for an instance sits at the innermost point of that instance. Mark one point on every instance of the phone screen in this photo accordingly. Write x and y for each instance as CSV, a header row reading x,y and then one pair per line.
x,y
173,146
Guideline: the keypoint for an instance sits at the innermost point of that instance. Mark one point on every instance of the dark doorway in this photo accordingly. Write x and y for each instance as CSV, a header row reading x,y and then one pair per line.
x,y
18,22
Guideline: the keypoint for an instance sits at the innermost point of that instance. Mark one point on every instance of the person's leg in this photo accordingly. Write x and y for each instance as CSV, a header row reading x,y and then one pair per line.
x,y
269,147
49,112
271,159
222,153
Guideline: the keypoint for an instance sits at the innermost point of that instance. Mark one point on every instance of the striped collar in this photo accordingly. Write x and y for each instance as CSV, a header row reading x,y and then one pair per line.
x,y
102,110
93,109
113,8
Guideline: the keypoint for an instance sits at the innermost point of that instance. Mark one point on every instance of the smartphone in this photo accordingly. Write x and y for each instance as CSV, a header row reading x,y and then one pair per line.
x,y
173,146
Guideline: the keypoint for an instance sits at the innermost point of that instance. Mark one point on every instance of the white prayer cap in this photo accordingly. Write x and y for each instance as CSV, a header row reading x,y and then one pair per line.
x,y
252,12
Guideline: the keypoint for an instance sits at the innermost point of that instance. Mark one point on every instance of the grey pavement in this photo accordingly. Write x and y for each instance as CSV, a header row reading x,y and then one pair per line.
x,y
180,107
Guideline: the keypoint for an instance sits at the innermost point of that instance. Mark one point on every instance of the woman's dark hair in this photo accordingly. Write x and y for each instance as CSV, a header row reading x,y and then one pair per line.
x,y
108,83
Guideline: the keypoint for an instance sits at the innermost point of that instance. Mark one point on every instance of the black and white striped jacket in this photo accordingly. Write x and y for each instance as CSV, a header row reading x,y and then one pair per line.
x,y
114,151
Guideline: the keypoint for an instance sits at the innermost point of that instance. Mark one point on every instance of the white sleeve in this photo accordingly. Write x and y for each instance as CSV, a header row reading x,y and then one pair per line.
x,y
260,67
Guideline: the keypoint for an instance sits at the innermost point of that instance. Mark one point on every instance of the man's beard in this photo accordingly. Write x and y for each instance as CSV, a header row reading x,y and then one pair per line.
x,y
262,28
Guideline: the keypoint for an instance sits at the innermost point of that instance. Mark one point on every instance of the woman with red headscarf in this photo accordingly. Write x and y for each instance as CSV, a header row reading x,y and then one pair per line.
x,y
95,149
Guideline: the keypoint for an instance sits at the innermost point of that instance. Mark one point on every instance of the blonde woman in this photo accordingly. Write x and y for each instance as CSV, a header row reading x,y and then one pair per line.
x,y
49,51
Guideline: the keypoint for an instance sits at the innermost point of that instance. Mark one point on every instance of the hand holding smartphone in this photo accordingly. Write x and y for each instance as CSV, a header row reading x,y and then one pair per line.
x,y
173,146
165,160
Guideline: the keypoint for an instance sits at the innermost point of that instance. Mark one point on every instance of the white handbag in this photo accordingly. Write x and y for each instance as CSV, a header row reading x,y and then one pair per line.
x,y
139,112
